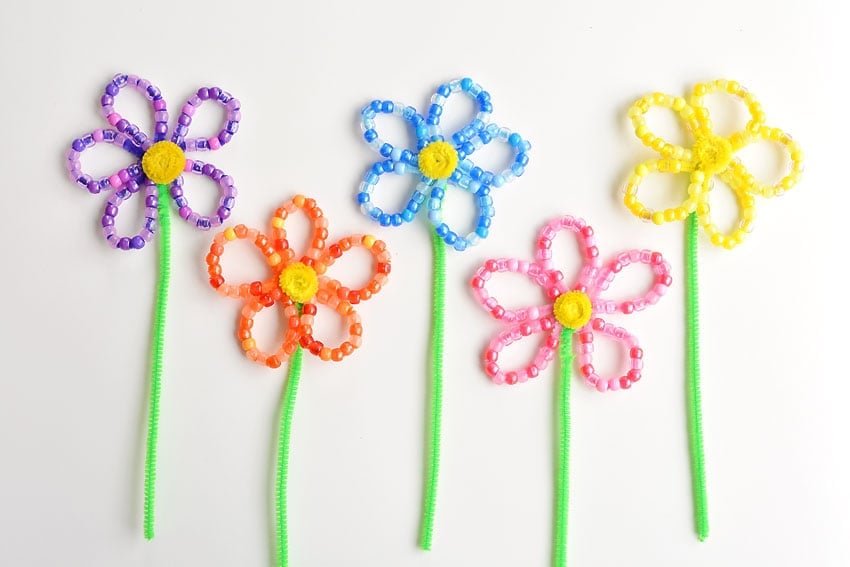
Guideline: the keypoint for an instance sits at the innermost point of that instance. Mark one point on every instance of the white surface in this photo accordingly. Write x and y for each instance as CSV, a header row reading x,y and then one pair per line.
x,y
76,314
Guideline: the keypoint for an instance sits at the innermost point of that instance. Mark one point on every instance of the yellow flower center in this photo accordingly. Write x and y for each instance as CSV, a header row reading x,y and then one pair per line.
x,y
573,309
299,282
163,162
712,153
438,160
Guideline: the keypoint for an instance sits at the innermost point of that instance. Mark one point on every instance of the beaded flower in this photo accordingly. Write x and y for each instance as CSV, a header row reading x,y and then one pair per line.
x,y
574,309
157,160
298,282
438,162
579,306
711,155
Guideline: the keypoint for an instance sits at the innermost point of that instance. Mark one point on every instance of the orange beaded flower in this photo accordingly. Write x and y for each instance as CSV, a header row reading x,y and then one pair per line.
x,y
711,155
297,285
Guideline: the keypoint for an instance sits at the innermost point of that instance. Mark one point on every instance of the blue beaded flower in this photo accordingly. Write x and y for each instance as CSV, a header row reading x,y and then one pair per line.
x,y
439,162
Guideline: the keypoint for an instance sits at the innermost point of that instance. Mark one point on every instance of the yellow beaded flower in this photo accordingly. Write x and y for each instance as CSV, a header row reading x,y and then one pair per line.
x,y
711,155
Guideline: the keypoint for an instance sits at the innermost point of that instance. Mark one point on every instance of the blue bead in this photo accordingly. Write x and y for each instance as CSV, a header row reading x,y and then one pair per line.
x,y
517,169
468,148
376,105
421,131
514,139
485,222
456,175
485,137
387,106
408,113
417,120
408,215
458,138
483,192
433,120
362,198
442,230
460,245
435,110
482,232
375,213
396,220
486,107
444,90
371,177
378,168
419,197
450,238
385,220
386,150
487,178
437,193
370,135
522,158
407,156
475,173
387,165
483,97
466,83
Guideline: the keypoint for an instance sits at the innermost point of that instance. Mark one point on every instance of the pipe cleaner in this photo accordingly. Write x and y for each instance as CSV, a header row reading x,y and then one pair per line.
x,y
710,156
156,173
571,310
438,163
296,284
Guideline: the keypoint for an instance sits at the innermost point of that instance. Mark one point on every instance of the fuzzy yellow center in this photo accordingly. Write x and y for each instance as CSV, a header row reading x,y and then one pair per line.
x,y
163,162
299,282
573,309
438,160
712,153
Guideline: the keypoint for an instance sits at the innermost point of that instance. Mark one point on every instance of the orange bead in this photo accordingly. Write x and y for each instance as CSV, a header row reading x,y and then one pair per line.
x,y
241,230
336,355
346,348
325,354
273,362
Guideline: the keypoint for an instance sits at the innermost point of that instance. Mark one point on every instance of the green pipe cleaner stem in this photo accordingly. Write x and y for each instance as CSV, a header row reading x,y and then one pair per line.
x,y
562,479
693,387
287,408
432,468
157,351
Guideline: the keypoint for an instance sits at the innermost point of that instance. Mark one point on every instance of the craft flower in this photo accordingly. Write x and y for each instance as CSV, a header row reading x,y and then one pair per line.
x,y
440,163
579,306
298,281
711,155
158,161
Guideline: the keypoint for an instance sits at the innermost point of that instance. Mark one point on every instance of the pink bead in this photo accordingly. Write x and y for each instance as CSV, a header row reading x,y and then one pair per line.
x,y
213,142
97,135
113,118
188,109
188,167
124,176
159,104
115,181
602,385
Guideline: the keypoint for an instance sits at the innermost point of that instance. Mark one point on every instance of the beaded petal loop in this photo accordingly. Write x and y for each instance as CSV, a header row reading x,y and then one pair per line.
x,y
711,155
157,160
565,305
439,162
291,283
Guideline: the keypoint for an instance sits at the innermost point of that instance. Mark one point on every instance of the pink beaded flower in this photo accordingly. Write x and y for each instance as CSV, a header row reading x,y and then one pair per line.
x,y
579,306
159,163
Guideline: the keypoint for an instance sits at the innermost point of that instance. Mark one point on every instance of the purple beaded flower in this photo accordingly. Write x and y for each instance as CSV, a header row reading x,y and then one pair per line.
x,y
159,162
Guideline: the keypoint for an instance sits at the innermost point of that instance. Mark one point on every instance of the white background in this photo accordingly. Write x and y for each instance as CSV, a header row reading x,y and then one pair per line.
x,y
76,314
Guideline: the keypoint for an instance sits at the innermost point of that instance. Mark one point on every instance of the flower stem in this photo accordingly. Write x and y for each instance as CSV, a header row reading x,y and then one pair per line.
x,y
287,408
562,479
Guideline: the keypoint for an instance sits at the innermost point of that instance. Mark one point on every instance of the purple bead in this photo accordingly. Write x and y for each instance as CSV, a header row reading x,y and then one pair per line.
x,y
180,130
203,93
202,144
228,202
112,89
108,135
151,201
106,100
181,201
120,79
124,243
184,212
107,220
203,223
208,169
137,242
122,125
184,119
217,174
150,224
93,187
225,137
232,126
111,210
224,213
161,129
177,191
78,145
139,138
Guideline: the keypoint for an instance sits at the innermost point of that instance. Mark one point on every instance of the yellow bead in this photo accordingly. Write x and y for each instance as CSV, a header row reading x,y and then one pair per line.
x,y
230,234
274,259
277,222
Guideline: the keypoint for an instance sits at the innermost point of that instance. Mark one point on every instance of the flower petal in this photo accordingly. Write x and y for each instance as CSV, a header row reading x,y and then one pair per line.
x,y
254,289
583,346
366,192
380,267
351,321
637,114
146,190
113,181
532,270
226,201
587,247
661,281
473,90
151,93
746,212
493,133
318,226
514,333
483,205
698,185
406,113
232,107
288,311
702,115
751,184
